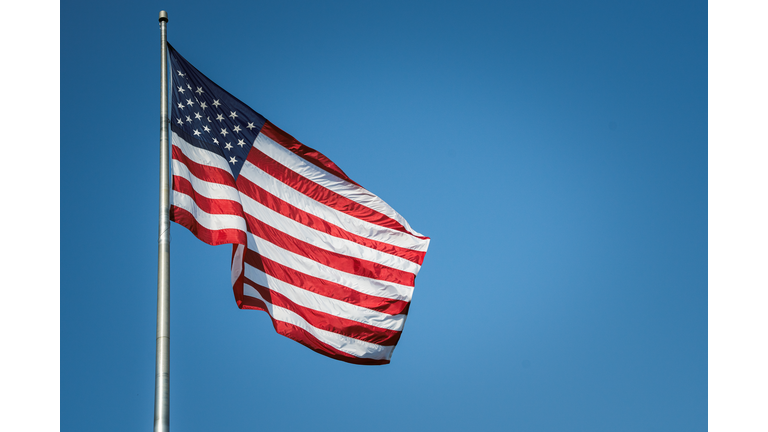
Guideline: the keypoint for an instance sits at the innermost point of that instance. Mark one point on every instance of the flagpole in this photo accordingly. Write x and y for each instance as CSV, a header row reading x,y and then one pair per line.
x,y
163,341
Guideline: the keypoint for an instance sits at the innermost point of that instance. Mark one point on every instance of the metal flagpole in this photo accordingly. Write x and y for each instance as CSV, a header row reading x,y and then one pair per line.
x,y
163,347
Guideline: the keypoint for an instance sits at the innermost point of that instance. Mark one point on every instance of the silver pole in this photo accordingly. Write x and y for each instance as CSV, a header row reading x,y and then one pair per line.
x,y
163,347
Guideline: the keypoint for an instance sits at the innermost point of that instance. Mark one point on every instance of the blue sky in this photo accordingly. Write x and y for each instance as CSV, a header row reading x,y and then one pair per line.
x,y
555,152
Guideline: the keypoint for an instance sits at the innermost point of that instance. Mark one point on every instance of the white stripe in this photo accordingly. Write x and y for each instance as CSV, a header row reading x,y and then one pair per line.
x,y
198,155
323,240
331,215
355,347
237,262
328,305
202,187
311,172
207,220
299,263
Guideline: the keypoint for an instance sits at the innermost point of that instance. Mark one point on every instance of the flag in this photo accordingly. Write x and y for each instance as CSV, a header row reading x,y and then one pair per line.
x,y
332,264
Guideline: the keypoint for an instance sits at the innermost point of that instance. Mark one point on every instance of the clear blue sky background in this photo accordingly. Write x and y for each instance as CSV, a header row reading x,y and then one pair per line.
x,y
555,152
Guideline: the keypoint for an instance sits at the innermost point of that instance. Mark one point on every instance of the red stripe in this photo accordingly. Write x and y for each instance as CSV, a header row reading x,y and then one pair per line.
x,y
307,153
328,322
269,200
320,193
204,172
334,260
212,237
208,205
305,338
323,287
290,331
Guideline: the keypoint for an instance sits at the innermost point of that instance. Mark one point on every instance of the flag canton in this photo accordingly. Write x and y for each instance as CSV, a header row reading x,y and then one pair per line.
x,y
207,116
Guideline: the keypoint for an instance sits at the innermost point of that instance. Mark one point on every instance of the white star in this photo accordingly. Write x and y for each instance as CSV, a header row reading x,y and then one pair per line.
x,y
189,86
241,142
181,89
228,146
215,141
216,103
236,128
189,102
209,119
198,116
232,114
181,105
180,122
181,74
224,131
233,160
189,119
199,90
219,117
206,128
203,105
196,132
250,126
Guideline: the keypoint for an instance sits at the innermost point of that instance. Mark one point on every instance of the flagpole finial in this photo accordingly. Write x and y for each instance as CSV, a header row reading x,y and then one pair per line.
x,y
163,16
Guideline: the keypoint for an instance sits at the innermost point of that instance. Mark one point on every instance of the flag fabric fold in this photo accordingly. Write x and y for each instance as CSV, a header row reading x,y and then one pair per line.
x,y
332,264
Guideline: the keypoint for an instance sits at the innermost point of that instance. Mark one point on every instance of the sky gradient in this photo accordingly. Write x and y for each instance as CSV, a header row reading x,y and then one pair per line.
x,y
555,153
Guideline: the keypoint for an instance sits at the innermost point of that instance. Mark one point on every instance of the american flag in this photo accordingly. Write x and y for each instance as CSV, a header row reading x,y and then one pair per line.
x,y
331,263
